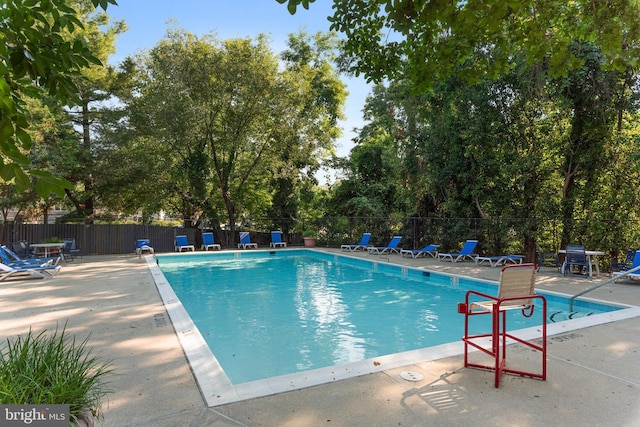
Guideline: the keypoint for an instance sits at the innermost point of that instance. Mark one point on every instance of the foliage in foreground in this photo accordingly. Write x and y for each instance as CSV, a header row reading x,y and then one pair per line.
x,y
440,38
53,369
35,59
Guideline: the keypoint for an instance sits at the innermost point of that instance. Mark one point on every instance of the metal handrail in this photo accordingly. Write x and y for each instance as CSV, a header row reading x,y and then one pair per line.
x,y
606,282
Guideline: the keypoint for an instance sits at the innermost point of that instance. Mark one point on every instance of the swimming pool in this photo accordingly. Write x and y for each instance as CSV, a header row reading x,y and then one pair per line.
x,y
337,311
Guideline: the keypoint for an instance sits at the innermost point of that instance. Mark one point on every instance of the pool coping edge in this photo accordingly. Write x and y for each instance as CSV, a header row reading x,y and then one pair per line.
x,y
216,388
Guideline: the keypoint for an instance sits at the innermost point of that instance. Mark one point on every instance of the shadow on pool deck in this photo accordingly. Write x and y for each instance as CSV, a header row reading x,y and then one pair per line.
x,y
593,375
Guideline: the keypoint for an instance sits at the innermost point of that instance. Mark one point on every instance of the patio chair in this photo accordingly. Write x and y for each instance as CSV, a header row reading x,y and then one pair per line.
x,y
466,252
634,270
69,251
208,241
183,244
626,264
547,259
276,240
22,249
417,253
516,291
143,245
364,242
391,247
576,257
245,241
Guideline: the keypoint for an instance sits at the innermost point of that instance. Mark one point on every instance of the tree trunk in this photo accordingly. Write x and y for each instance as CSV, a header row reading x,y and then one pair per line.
x,y
87,206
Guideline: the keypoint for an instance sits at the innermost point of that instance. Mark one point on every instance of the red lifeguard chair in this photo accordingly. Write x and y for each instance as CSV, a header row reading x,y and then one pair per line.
x,y
516,291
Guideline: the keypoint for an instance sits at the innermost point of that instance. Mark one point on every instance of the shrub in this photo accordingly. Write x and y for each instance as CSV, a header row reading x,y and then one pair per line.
x,y
53,369
52,240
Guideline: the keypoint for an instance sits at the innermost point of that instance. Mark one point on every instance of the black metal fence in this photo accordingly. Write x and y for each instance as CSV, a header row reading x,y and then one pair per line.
x,y
500,235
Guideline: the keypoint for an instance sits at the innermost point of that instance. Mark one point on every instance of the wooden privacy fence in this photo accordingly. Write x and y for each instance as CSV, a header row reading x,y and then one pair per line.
x,y
100,239
104,239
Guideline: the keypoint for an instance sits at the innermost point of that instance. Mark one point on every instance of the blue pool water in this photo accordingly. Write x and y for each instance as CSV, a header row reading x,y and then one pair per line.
x,y
265,314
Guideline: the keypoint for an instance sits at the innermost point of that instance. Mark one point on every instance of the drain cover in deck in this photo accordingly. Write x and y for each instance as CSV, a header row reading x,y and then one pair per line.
x,y
411,376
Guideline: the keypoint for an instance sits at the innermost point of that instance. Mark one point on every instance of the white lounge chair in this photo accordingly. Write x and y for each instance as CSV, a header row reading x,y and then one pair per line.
x,y
466,252
391,247
364,243
208,241
183,244
45,271
417,253
142,246
633,272
496,260
276,240
245,241
8,257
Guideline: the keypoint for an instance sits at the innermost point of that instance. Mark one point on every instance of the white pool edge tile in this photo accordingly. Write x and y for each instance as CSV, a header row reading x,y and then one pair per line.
x,y
206,369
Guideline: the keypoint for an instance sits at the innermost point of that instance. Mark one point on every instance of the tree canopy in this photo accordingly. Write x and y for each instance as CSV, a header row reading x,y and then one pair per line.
x,y
236,125
430,40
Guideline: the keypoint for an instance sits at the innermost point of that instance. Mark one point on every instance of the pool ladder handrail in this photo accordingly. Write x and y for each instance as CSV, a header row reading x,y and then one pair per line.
x,y
606,282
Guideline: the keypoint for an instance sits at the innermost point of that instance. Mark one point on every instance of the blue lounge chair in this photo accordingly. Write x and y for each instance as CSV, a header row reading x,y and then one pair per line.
x,y
496,260
208,241
46,271
633,272
466,252
245,241
276,240
143,245
575,256
364,243
183,244
8,257
391,247
417,253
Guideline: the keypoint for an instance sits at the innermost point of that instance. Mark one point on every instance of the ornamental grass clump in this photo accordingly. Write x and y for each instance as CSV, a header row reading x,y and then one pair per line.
x,y
53,369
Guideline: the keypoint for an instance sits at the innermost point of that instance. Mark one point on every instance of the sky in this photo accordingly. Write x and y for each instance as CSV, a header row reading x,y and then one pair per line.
x,y
149,20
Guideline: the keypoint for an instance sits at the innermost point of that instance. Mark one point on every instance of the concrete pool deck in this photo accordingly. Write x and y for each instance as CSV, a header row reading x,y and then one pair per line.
x,y
593,375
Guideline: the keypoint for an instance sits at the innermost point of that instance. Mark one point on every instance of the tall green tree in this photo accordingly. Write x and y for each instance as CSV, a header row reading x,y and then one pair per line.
x,y
55,149
228,120
130,167
67,149
373,185
36,58
95,86
321,95
588,96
